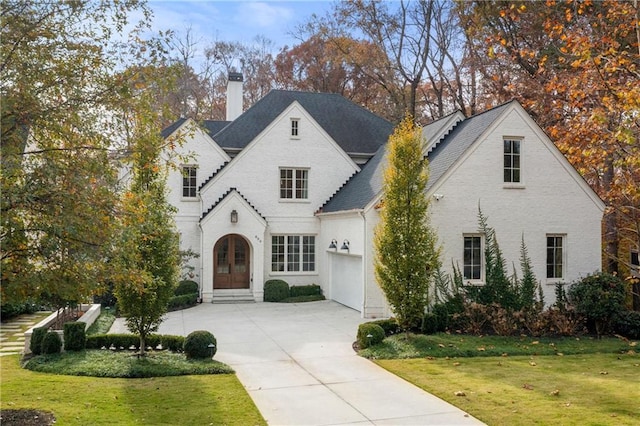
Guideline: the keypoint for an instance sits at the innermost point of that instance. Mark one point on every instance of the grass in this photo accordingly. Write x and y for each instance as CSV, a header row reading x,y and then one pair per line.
x,y
522,380
207,399
103,363
592,389
453,345
103,323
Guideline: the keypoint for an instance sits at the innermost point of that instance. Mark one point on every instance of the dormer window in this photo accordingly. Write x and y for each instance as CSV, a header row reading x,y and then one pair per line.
x,y
295,128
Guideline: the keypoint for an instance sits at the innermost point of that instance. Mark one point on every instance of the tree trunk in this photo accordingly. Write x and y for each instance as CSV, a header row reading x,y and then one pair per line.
x,y
611,237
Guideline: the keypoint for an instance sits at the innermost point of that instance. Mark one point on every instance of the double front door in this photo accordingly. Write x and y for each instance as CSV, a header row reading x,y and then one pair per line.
x,y
231,263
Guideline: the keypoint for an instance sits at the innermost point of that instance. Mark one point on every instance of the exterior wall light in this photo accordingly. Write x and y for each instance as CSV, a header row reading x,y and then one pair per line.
x,y
334,244
234,216
345,245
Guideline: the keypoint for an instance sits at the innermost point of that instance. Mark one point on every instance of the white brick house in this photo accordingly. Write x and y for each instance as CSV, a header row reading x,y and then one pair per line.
x,y
289,189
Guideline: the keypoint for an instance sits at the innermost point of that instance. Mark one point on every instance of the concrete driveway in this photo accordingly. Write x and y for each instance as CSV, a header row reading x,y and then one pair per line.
x,y
297,363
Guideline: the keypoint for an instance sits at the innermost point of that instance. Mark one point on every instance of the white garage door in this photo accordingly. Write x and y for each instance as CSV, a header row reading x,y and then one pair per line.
x,y
346,280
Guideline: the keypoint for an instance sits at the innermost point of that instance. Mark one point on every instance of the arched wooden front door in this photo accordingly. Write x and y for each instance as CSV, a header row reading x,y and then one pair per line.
x,y
231,263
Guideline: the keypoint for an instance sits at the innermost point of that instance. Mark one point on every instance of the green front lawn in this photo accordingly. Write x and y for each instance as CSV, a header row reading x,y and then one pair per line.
x,y
594,389
189,400
522,380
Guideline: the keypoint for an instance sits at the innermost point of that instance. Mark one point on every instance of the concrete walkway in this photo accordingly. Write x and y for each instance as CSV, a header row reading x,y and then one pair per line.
x,y
297,363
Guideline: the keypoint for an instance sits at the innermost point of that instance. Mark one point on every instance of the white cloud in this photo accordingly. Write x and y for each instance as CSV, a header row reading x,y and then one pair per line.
x,y
264,15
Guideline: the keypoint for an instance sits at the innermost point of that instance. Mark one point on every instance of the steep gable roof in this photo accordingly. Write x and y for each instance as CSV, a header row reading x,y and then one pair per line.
x,y
225,195
168,131
363,187
352,127
447,152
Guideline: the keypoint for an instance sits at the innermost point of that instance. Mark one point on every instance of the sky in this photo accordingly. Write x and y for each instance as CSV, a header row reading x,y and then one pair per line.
x,y
235,20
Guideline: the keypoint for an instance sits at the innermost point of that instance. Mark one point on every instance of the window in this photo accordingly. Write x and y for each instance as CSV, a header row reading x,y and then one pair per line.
x,y
295,127
555,256
472,258
293,253
189,188
293,184
512,161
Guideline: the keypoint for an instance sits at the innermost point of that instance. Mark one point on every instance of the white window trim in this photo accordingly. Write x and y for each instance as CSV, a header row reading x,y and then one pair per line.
x,y
482,279
273,273
561,280
182,196
514,185
293,199
291,127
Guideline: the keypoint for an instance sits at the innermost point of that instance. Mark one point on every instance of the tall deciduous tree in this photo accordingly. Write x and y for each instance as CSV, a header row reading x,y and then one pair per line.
x,y
407,256
417,56
59,89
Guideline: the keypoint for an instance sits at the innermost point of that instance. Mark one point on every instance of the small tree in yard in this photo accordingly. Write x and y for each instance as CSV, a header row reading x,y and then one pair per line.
x,y
406,254
147,254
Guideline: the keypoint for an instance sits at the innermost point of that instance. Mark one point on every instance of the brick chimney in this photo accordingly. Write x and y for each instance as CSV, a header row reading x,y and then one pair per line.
x,y
234,96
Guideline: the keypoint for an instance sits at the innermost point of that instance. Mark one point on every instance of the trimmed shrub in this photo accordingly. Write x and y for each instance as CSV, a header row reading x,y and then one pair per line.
x,y
171,342
97,341
305,290
75,337
369,334
186,287
51,343
36,339
183,301
125,341
600,298
627,324
196,345
275,290
390,326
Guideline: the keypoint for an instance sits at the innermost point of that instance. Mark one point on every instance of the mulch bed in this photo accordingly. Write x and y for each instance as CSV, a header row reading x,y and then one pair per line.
x,y
26,417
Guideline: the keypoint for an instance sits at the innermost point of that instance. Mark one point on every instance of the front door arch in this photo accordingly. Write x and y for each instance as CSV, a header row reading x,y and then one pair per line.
x,y
231,263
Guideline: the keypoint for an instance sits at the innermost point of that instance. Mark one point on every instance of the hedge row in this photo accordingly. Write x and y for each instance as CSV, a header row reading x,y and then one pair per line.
x,y
279,291
125,341
183,301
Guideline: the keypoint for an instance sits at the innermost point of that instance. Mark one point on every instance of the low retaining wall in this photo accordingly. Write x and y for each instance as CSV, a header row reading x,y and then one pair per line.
x,y
91,313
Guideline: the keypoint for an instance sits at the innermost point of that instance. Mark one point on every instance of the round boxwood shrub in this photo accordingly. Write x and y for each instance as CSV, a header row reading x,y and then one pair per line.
x,y
196,344
75,337
275,290
51,343
600,297
36,340
369,334
186,287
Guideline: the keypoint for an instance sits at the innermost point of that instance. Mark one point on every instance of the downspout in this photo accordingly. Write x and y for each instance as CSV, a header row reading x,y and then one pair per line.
x,y
364,262
201,251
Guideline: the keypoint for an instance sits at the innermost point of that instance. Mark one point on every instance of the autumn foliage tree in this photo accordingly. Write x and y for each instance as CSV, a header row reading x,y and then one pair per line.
x,y
576,66
407,256
57,81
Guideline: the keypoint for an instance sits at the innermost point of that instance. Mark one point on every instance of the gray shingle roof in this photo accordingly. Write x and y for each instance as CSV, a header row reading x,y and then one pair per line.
x,y
352,127
361,189
167,131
